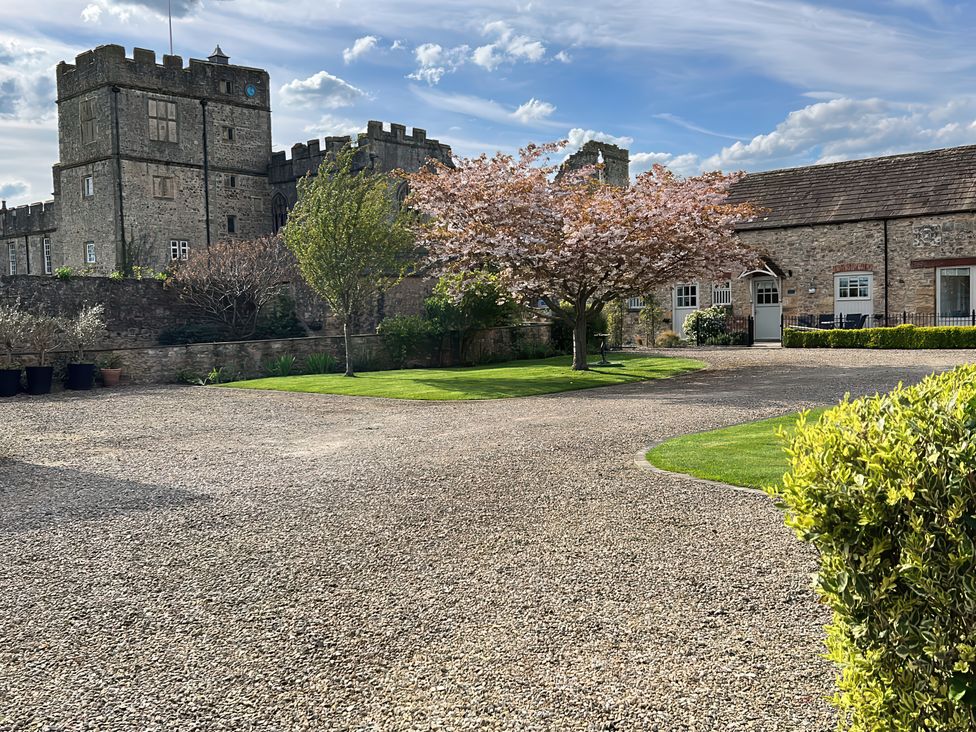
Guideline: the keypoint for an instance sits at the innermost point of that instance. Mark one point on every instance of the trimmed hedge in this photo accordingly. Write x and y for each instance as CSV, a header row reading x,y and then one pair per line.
x,y
885,488
901,336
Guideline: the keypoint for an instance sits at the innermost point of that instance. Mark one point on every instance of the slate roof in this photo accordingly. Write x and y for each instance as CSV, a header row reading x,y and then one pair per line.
x,y
916,184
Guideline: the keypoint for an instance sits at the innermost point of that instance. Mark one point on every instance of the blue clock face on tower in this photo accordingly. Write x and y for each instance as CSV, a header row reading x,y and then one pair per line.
x,y
250,90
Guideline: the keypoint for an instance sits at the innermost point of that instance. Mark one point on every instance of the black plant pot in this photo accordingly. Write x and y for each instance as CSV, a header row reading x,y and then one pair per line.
x,y
9,382
81,376
39,379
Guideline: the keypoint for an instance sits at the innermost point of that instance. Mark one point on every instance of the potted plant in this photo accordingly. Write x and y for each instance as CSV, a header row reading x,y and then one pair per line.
x,y
13,328
111,370
44,334
81,332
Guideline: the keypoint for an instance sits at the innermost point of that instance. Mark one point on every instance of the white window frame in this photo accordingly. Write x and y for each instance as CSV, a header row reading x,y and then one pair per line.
x,y
91,256
842,286
227,133
635,303
765,290
46,251
12,257
722,293
965,318
179,250
686,295
88,186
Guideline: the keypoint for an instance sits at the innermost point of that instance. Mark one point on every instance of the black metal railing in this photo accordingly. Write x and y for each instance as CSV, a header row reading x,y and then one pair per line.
x,y
829,321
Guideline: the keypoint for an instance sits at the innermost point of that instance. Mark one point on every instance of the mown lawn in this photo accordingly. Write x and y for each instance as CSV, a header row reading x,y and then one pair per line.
x,y
749,455
490,381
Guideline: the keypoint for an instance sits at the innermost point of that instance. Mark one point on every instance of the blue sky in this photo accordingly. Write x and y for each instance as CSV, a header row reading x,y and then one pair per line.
x,y
713,84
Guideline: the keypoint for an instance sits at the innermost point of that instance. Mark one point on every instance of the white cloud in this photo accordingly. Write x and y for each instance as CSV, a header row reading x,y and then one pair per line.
x,y
686,164
487,57
533,111
433,61
321,90
330,125
675,119
14,189
359,48
508,47
578,137
124,10
91,13
397,46
845,128
26,82
563,57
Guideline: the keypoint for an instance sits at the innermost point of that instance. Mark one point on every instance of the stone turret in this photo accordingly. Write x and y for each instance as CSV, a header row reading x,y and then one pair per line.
x,y
615,161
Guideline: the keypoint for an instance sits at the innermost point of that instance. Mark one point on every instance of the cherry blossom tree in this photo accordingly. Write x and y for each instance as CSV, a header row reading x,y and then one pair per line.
x,y
566,237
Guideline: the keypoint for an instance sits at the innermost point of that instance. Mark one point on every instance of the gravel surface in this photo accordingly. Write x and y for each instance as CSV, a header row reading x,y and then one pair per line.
x,y
179,558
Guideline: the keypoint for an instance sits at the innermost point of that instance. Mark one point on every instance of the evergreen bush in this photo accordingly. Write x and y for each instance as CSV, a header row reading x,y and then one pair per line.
x,y
885,488
901,336
407,337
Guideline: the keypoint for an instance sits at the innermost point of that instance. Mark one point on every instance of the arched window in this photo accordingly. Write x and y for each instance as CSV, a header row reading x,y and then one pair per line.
x,y
279,211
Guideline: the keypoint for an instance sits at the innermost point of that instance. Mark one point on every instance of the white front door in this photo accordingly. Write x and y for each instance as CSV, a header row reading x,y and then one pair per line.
x,y
766,308
685,303
854,296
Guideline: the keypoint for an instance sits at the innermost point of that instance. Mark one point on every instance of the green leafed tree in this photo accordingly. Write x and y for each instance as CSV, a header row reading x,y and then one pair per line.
x,y
466,302
351,238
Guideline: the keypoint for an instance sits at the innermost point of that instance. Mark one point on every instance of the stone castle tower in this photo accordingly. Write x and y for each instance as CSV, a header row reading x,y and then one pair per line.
x,y
158,158
615,160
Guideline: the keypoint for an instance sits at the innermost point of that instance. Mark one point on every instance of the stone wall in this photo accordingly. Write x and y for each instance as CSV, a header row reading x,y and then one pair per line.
x,y
136,311
248,359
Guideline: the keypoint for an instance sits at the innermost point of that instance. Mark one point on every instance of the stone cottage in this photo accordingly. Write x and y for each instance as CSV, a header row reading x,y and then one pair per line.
x,y
863,242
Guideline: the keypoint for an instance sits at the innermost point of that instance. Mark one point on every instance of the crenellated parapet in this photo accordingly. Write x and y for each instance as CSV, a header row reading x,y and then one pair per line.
x,y
109,66
37,218
376,149
615,159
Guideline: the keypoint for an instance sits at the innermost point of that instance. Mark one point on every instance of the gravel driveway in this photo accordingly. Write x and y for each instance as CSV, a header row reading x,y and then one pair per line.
x,y
204,559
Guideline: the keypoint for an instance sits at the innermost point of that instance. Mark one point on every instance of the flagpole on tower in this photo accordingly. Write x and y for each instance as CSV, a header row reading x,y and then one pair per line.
x,y
169,11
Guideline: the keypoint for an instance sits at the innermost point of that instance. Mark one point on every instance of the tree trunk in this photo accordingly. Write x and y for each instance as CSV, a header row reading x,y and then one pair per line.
x,y
579,341
347,340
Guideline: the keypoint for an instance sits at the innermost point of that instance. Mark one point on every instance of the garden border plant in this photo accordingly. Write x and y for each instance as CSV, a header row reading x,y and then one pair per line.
x,y
884,488
899,336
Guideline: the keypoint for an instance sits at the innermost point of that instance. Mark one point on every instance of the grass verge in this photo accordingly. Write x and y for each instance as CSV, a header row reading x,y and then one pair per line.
x,y
490,381
748,455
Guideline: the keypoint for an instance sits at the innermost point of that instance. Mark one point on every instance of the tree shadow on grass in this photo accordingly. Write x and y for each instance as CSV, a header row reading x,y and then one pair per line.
x,y
489,385
35,496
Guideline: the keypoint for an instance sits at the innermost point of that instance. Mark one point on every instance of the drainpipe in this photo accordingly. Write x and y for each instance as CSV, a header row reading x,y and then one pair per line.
x,y
885,225
206,172
121,253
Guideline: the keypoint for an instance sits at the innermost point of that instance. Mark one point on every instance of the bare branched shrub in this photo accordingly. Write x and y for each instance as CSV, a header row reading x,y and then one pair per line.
x,y
232,281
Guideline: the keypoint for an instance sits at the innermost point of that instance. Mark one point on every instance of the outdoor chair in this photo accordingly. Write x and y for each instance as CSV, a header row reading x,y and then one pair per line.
x,y
804,321
854,321
825,321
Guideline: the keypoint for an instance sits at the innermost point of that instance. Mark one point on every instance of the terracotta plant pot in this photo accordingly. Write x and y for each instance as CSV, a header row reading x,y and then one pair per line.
x,y
39,379
110,377
9,382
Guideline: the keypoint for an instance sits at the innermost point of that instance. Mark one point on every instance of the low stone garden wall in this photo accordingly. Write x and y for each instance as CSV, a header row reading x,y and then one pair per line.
x,y
247,359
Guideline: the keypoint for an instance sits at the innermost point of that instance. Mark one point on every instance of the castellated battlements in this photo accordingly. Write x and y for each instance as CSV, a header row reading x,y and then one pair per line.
x,y
108,66
36,218
377,149
616,161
